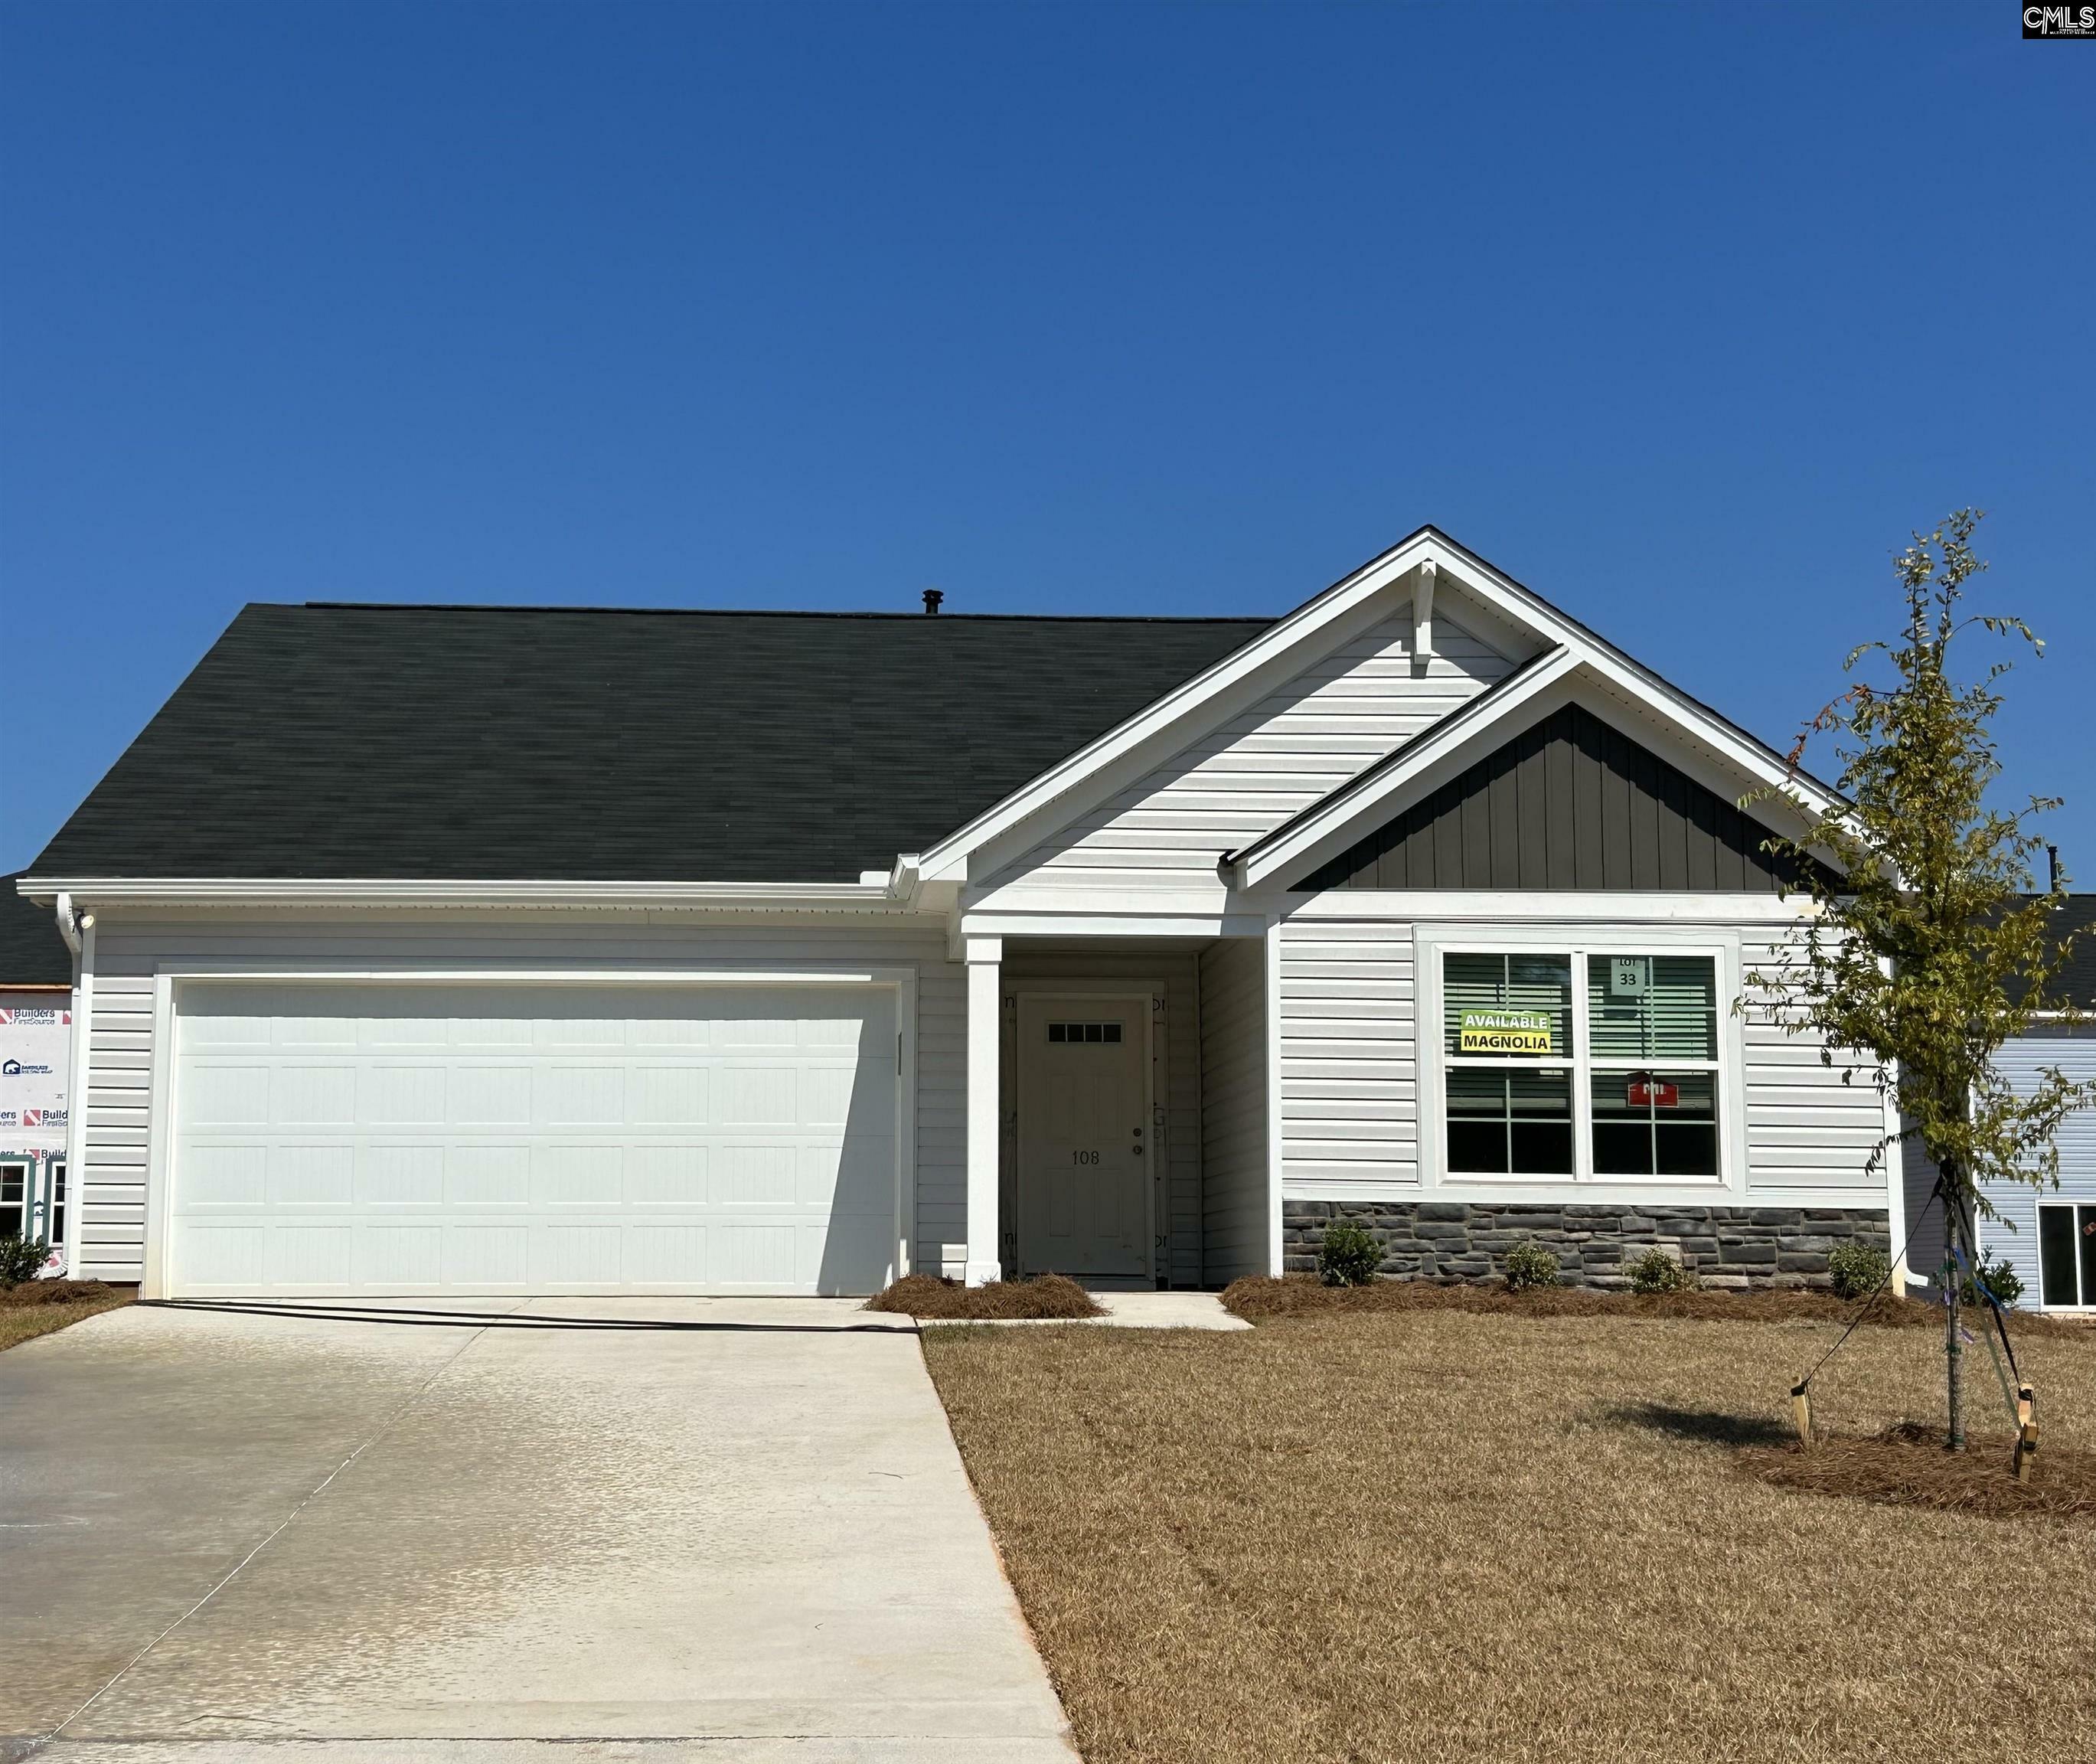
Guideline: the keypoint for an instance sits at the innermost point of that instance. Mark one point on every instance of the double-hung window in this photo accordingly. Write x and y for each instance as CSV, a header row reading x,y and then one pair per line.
x,y
1584,1063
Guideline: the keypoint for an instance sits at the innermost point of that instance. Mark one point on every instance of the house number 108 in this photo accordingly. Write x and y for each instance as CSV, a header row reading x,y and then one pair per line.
x,y
1084,1157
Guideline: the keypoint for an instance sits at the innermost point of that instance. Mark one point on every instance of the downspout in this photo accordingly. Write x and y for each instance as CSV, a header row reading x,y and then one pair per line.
x,y
77,929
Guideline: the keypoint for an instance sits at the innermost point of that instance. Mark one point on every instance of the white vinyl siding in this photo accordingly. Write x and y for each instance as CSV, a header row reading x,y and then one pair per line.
x,y
1338,717
116,1089
1349,1056
1234,1210
116,1096
2014,1233
1809,1126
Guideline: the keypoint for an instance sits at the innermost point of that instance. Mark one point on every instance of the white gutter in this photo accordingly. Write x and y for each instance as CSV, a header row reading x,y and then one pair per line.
x,y
69,928
242,891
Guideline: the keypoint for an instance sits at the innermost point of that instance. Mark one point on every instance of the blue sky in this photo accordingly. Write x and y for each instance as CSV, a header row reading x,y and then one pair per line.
x,y
1683,315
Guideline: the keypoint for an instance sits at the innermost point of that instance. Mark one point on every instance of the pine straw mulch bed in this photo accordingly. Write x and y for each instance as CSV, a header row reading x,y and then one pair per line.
x,y
1044,1297
1261,1298
1404,1536
1905,1465
36,1308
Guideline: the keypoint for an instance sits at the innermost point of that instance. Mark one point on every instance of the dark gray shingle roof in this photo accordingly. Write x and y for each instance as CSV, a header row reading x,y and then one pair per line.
x,y
32,952
511,743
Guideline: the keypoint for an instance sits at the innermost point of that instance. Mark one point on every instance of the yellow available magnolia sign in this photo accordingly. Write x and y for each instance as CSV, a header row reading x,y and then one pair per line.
x,y
1504,1031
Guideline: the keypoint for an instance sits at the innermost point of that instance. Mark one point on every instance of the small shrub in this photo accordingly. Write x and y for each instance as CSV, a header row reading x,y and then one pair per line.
x,y
20,1260
1656,1271
1998,1277
1529,1264
1348,1256
1856,1270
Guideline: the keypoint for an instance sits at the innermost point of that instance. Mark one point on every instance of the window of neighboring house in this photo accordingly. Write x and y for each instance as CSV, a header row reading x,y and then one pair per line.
x,y
14,1198
57,1178
1587,1064
2066,1255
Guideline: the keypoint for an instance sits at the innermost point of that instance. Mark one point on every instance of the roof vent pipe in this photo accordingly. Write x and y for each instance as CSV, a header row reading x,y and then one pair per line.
x,y
2052,863
932,596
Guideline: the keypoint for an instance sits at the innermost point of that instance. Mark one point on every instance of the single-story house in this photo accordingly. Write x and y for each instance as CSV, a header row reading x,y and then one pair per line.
x,y
473,949
35,1045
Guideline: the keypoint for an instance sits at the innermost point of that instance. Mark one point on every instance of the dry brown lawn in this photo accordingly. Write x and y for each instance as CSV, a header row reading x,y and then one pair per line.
x,y
1440,1534
39,1306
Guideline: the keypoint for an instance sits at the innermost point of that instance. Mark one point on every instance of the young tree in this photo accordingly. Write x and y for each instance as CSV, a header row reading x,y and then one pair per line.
x,y
1928,948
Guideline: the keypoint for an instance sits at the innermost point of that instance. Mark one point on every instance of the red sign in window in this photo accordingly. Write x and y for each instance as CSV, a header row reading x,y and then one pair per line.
x,y
1654,1093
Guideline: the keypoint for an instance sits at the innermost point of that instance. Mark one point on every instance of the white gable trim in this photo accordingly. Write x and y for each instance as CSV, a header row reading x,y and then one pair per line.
x,y
1524,614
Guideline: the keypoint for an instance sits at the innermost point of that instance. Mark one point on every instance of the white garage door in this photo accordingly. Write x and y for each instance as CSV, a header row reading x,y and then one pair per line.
x,y
512,1139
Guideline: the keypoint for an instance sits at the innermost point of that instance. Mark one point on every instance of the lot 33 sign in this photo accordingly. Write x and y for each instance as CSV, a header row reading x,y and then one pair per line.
x,y
1504,1031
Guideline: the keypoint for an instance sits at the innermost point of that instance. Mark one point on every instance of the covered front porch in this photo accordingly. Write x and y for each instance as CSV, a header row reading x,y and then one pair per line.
x,y
1118,1109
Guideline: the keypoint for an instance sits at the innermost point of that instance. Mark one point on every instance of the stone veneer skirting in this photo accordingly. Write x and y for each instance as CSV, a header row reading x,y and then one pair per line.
x,y
1724,1246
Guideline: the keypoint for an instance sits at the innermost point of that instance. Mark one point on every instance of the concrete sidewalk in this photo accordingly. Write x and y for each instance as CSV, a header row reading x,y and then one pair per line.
x,y
242,1537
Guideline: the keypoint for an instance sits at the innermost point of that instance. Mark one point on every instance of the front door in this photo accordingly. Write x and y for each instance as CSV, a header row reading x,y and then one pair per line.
x,y
1084,1147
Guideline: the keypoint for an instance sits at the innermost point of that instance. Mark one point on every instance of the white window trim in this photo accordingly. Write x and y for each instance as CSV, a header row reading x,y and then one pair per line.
x,y
1580,942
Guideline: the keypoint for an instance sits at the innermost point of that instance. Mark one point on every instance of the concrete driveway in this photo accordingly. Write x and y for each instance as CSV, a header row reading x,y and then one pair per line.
x,y
251,1537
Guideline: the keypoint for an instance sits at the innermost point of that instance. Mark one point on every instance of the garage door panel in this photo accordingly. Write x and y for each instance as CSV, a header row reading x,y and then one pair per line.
x,y
389,1096
389,1175
665,1175
490,1097
312,1176
575,1255
398,1258
506,1140
670,1096
581,1175
309,1255
227,1174
488,1176
221,1093
666,1255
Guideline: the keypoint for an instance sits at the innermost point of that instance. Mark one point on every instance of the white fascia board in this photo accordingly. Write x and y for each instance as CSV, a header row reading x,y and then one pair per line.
x,y
1331,826
236,891
1096,923
949,857
1540,906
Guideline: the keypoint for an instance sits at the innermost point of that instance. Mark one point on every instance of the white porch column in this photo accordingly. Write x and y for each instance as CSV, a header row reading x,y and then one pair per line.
x,y
985,1016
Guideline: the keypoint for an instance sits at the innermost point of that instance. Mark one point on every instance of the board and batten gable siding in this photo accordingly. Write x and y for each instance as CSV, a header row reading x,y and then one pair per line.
x,y
1333,721
1176,1073
1235,1209
2013,1234
113,1191
1349,1051
1571,803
